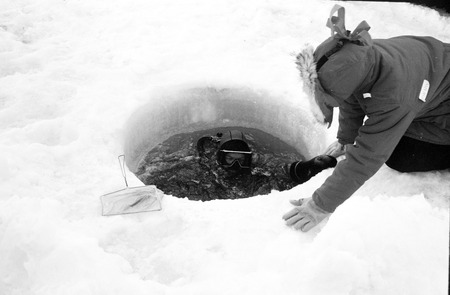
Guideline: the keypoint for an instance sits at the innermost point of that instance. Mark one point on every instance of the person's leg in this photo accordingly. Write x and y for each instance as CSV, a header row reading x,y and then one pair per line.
x,y
412,155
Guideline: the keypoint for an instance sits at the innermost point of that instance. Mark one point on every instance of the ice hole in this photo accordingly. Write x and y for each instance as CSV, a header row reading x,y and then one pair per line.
x,y
198,110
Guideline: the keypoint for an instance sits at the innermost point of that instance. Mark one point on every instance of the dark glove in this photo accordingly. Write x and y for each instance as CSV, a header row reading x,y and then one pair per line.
x,y
305,215
301,172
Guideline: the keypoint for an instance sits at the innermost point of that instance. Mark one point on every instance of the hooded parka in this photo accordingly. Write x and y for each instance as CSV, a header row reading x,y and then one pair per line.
x,y
386,90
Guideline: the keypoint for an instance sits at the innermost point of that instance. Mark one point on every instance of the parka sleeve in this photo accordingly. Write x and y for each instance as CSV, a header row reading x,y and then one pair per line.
x,y
351,118
386,124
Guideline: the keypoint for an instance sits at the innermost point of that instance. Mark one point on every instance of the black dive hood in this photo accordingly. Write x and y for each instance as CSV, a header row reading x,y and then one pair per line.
x,y
234,152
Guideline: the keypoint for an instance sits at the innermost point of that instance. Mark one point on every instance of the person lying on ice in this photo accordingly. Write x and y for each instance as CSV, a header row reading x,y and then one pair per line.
x,y
394,107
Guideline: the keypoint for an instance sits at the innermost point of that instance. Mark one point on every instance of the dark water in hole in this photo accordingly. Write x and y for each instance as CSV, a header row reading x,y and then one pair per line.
x,y
176,168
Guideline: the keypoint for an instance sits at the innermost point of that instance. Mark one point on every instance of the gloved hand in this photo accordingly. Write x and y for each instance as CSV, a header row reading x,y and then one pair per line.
x,y
305,215
336,149
302,171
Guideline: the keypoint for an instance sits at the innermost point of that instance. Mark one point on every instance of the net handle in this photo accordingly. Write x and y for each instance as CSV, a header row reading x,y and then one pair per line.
x,y
122,168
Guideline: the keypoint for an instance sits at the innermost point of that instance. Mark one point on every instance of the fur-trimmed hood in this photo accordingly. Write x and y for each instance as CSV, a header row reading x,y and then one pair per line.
x,y
312,63
320,102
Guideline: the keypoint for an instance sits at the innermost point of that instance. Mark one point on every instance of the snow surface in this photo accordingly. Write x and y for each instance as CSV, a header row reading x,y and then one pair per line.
x,y
71,75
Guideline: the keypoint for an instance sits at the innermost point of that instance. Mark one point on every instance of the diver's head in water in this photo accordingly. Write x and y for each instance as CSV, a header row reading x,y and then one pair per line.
x,y
234,152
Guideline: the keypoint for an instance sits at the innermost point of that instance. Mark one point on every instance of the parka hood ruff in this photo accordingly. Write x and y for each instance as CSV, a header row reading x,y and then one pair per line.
x,y
320,98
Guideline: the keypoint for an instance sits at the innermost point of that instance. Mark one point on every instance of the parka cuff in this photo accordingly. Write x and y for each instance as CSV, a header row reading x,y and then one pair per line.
x,y
322,205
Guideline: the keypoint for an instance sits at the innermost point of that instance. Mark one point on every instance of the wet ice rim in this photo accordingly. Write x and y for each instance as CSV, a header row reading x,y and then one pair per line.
x,y
185,110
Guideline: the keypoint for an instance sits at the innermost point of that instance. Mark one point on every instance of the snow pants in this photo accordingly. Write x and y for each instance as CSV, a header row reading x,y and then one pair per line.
x,y
412,155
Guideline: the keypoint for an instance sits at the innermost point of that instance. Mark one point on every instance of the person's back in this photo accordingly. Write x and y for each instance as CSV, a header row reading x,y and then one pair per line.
x,y
418,65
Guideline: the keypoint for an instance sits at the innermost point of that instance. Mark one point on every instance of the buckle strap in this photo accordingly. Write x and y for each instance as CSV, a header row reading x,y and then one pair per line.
x,y
360,34
329,53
